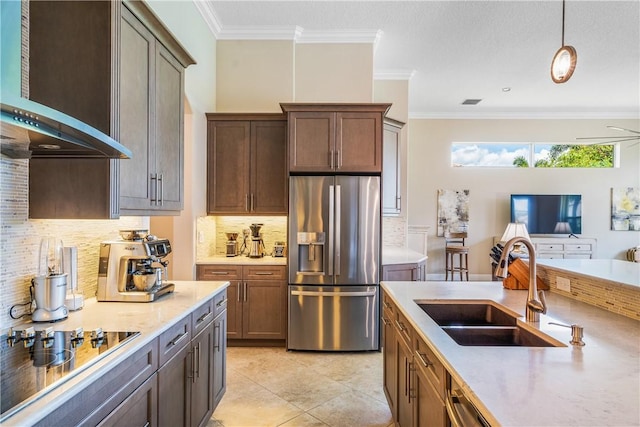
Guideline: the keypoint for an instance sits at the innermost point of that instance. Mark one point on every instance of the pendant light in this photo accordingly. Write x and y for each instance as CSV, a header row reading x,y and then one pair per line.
x,y
564,61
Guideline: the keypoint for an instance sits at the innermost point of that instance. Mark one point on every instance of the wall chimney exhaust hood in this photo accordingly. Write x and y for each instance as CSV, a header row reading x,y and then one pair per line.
x,y
29,129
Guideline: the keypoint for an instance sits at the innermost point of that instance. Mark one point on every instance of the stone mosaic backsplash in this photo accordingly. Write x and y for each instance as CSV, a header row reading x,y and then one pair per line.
x,y
20,240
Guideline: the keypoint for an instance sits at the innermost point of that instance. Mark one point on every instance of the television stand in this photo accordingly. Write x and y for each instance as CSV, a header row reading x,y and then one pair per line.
x,y
565,247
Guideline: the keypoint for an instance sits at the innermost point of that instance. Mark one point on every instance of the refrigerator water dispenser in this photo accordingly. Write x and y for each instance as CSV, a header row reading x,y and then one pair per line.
x,y
311,253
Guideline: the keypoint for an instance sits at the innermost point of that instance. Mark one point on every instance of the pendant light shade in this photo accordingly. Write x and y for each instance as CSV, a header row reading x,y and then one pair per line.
x,y
564,61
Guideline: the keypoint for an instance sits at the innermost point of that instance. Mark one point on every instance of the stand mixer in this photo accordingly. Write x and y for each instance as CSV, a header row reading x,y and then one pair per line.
x,y
133,270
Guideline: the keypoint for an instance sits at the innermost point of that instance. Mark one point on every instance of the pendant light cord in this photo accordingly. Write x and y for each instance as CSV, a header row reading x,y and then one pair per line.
x,y
563,22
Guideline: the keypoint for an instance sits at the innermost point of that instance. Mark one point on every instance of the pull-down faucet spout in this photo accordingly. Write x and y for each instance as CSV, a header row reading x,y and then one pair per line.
x,y
534,305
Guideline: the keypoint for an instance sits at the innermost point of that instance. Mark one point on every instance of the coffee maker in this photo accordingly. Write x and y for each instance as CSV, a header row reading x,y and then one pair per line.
x,y
232,244
133,269
256,249
49,287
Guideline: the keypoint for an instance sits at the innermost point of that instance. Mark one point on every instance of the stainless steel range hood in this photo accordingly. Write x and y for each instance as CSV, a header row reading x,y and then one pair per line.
x,y
29,129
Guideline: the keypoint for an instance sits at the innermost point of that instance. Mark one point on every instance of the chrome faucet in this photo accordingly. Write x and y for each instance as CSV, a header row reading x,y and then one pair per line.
x,y
534,305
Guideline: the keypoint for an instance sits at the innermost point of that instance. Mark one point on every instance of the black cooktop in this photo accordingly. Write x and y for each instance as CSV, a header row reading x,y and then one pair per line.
x,y
34,362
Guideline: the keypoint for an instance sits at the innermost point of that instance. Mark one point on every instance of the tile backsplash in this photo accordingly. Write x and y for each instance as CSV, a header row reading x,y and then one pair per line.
x,y
211,237
20,240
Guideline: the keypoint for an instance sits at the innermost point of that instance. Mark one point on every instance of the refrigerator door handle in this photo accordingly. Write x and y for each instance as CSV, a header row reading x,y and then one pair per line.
x,y
337,227
331,229
334,294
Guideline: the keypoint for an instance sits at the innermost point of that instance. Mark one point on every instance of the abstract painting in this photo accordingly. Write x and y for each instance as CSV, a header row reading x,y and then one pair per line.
x,y
625,209
453,211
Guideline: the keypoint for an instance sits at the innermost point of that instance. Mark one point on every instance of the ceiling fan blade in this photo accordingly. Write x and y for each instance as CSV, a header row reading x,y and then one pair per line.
x,y
608,137
615,142
623,129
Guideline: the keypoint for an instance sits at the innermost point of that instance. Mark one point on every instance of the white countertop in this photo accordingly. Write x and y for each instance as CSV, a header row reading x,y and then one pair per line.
x,y
622,272
242,260
594,385
150,319
392,256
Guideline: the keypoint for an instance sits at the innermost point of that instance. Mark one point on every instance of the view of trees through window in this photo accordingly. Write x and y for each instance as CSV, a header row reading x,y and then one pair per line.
x,y
532,155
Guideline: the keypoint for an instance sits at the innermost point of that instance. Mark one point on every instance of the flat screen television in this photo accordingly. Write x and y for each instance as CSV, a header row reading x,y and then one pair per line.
x,y
548,213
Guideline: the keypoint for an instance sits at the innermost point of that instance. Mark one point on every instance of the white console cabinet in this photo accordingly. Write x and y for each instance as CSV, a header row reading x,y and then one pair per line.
x,y
569,248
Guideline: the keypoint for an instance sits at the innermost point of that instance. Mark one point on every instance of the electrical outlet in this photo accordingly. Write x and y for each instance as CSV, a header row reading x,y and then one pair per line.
x,y
563,284
200,237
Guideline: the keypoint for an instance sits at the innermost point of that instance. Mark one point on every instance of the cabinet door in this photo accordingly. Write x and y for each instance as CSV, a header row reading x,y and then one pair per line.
x,y
358,142
202,381
137,53
399,272
219,358
405,401
228,166
234,310
269,177
264,310
140,408
168,147
390,363
430,410
312,141
174,390
391,202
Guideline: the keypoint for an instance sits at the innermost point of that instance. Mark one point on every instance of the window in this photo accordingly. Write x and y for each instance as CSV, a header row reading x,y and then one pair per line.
x,y
526,155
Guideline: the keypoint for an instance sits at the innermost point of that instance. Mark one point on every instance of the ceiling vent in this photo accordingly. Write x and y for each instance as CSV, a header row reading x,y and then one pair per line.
x,y
471,101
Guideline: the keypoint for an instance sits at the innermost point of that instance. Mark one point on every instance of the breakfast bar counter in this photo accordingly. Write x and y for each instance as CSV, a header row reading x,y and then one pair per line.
x,y
594,385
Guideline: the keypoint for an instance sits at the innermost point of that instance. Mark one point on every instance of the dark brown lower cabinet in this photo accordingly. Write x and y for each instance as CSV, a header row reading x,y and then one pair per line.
x,y
140,408
414,381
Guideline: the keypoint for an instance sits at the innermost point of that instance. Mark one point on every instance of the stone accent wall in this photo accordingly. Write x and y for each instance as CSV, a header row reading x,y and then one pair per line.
x,y
605,294
394,231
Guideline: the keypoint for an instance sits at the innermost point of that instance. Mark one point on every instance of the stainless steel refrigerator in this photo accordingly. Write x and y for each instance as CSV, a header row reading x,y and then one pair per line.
x,y
334,263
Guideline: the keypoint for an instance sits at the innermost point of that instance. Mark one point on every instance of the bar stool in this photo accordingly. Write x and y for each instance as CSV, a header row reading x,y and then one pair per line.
x,y
454,245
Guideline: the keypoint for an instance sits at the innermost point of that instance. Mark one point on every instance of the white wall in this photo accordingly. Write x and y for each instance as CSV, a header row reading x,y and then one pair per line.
x,y
429,164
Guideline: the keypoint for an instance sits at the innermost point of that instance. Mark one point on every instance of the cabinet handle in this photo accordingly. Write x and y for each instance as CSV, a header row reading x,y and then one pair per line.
x,y
411,369
191,371
338,159
424,359
386,321
216,333
161,185
331,158
252,202
245,292
400,326
246,202
398,202
154,188
177,339
238,291
264,273
197,374
220,273
203,317
221,303
387,305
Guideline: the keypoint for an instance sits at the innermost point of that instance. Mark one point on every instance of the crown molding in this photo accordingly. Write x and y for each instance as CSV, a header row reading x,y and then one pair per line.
x,y
209,15
242,32
344,36
549,115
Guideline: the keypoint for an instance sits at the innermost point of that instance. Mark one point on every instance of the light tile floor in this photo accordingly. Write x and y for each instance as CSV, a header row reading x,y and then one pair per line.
x,y
275,387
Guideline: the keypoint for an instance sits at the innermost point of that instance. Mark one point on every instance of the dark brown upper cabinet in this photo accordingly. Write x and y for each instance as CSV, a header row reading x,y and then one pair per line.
x,y
335,138
247,164
118,69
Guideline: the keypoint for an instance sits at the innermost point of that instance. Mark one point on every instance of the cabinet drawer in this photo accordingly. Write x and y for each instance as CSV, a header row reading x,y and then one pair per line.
x,y
550,255
263,272
219,272
578,256
388,306
220,303
174,338
202,316
577,247
403,328
433,369
549,247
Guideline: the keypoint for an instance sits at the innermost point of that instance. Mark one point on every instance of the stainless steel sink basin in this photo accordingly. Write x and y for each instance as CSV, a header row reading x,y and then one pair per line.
x,y
506,336
468,313
483,323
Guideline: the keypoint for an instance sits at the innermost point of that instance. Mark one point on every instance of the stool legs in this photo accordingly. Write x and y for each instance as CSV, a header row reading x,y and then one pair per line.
x,y
462,268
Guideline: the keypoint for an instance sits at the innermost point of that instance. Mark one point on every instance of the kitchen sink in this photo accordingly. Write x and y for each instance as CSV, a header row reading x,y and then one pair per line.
x,y
505,336
468,313
483,323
